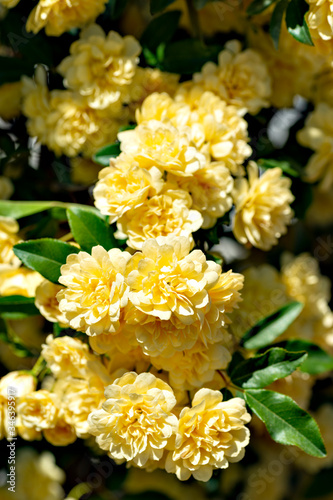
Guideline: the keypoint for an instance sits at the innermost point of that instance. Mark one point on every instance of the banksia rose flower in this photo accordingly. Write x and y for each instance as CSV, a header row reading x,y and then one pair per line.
x,y
262,207
135,423
96,290
58,16
124,186
37,411
210,435
166,214
158,144
318,135
47,303
178,297
240,78
100,65
66,356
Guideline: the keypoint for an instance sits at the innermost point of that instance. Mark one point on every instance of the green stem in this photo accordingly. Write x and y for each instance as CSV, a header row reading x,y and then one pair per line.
x,y
194,20
38,367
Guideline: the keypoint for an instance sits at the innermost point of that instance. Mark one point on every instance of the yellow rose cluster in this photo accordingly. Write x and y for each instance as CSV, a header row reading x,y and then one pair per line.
x,y
175,173
102,77
136,424
165,302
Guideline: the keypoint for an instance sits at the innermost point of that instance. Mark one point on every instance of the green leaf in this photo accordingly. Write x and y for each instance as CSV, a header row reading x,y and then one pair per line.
x,y
159,5
117,7
271,327
276,21
19,209
258,6
89,230
284,165
296,23
188,56
286,422
160,30
45,256
17,307
102,157
318,360
263,369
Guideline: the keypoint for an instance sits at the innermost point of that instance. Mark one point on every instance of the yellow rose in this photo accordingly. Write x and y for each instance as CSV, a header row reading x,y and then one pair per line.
x,y
319,19
193,368
214,127
262,207
96,290
57,16
159,144
62,434
66,356
135,423
210,189
124,186
47,303
63,120
100,65
168,213
178,297
37,411
78,398
318,135
239,78
304,283
146,81
210,435
19,281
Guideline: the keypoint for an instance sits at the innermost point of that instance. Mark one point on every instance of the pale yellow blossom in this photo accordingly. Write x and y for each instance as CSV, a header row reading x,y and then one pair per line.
x,y
193,368
9,4
100,65
37,411
47,303
240,78
58,16
96,290
78,398
161,145
215,127
124,186
210,189
262,207
168,213
318,135
66,356
21,281
135,423
178,297
210,435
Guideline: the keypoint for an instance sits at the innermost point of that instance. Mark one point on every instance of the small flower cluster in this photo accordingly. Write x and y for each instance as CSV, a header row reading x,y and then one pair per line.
x,y
175,174
104,86
165,305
